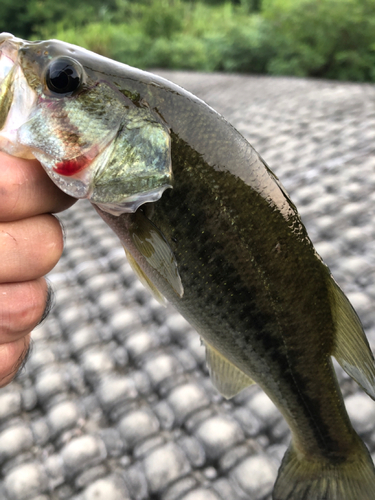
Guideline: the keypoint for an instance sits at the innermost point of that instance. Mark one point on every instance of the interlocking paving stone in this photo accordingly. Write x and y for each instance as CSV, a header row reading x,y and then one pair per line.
x,y
256,476
14,440
63,416
115,402
111,488
138,425
165,465
219,434
186,399
82,452
10,403
361,412
201,494
25,482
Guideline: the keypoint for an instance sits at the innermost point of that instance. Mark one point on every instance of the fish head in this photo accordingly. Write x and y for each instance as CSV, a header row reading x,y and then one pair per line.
x,y
59,105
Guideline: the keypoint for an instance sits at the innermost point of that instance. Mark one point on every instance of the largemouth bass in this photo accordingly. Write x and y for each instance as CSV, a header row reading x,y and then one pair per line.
x,y
206,225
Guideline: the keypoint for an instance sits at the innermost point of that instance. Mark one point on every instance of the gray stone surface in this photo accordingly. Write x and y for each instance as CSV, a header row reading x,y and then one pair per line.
x,y
82,452
255,476
219,434
138,425
165,465
25,482
115,402
201,494
15,440
10,403
186,399
110,488
361,412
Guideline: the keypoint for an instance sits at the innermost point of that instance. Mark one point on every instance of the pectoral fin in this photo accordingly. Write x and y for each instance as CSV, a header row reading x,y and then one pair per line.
x,y
351,348
144,279
153,247
225,376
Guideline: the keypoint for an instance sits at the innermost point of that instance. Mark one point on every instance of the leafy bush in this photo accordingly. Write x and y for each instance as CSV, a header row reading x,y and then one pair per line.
x,y
319,38
324,38
181,52
162,18
98,37
31,18
247,48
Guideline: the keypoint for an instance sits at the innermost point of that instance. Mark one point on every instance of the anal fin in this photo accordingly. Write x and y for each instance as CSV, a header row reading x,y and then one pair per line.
x,y
225,376
351,349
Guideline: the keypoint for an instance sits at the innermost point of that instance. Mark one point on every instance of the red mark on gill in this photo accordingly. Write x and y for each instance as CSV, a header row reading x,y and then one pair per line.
x,y
73,166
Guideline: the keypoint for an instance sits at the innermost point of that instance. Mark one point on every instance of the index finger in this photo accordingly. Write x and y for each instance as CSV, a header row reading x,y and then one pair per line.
x,y
26,190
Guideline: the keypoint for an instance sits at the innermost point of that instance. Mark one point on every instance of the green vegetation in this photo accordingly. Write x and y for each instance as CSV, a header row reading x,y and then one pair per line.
x,y
320,38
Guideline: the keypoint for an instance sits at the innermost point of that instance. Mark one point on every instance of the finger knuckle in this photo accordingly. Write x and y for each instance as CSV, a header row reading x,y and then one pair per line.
x,y
11,357
22,307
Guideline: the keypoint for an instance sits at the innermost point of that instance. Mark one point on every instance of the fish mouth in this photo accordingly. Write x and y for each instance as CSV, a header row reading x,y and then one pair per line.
x,y
17,99
8,56
75,175
9,47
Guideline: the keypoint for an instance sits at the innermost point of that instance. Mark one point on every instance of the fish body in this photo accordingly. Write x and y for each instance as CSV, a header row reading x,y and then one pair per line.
x,y
207,225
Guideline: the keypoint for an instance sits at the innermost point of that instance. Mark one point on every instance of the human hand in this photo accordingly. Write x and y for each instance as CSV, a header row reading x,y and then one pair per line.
x,y
31,243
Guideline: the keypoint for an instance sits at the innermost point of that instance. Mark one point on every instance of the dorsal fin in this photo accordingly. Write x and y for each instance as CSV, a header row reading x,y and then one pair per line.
x,y
351,347
225,376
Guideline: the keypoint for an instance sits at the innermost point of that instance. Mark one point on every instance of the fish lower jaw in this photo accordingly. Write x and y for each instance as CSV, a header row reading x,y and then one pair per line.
x,y
73,187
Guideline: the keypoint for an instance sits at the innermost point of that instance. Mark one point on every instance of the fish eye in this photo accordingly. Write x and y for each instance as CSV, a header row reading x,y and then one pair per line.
x,y
63,75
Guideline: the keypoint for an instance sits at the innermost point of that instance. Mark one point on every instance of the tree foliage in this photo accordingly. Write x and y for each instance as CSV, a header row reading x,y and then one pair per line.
x,y
324,38
318,38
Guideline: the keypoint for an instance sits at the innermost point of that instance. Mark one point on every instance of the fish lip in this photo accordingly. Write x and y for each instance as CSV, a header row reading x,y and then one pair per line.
x,y
9,37
8,56
10,46
15,104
